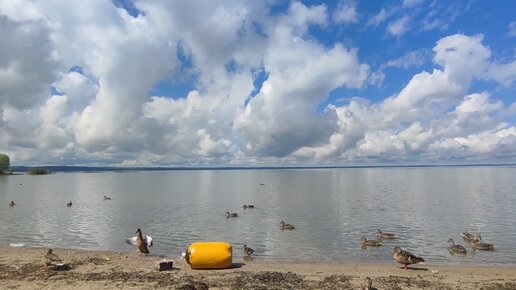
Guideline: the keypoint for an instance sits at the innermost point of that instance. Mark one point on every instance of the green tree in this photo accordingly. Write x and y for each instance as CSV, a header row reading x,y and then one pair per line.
x,y
38,171
5,163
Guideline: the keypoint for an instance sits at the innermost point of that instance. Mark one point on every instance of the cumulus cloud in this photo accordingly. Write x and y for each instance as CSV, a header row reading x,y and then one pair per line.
x,y
76,78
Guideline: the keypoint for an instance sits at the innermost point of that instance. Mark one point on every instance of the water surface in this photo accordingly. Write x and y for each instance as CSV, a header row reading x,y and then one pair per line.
x,y
330,208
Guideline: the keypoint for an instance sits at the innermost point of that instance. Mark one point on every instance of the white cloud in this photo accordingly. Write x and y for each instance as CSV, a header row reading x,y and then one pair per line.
x,y
462,57
378,18
104,113
301,73
399,27
512,29
346,12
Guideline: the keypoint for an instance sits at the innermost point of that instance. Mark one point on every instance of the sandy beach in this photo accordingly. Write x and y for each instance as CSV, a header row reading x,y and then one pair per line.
x,y
23,268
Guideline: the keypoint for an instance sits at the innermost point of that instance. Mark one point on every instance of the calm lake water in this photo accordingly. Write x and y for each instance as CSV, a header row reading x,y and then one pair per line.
x,y
330,208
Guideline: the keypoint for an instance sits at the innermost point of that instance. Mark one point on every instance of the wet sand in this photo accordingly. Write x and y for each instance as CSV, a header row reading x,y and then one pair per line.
x,y
23,268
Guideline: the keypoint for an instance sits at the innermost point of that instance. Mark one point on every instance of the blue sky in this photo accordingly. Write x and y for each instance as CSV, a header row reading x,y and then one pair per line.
x,y
219,83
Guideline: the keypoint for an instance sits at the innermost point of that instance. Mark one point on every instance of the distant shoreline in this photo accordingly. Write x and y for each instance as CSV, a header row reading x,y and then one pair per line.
x,y
23,268
92,169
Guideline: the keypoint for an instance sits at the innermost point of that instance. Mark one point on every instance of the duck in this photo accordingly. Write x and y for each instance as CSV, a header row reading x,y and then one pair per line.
x,y
231,214
107,197
456,248
69,204
284,226
388,236
478,245
51,259
248,251
133,240
12,203
370,243
468,237
368,284
141,243
248,206
404,257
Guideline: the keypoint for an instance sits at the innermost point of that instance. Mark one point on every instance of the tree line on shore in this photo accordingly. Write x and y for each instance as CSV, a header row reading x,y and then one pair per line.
x,y
5,167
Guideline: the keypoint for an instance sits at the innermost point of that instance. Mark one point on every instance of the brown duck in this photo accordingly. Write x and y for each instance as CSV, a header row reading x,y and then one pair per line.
x,y
284,226
51,259
404,257
387,236
477,244
141,243
370,243
456,248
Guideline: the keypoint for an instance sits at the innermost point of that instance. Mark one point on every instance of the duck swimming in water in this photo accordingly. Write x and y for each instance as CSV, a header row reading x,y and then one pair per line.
x,y
383,235
12,203
477,244
370,243
69,204
284,226
456,248
231,214
404,257
248,206
107,197
469,237
248,251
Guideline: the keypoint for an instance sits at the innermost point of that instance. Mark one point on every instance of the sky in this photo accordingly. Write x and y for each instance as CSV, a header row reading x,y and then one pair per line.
x,y
257,83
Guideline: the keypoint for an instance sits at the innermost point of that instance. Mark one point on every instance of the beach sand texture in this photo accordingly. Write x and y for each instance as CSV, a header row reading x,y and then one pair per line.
x,y
23,268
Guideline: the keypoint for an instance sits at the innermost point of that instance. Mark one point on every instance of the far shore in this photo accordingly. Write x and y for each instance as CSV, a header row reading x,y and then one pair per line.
x,y
23,268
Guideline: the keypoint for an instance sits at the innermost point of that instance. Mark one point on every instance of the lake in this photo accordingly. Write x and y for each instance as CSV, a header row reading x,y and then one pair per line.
x,y
330,208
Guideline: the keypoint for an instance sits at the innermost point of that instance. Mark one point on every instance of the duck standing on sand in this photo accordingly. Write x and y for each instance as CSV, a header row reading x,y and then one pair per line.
x,y
404,257
368,284
12,203
51,259
248,251
456,248
370,243
69,204
284,226
141,243
387,236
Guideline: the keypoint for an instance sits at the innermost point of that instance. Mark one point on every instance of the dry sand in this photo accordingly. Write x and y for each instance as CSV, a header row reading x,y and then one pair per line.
x,y
23,268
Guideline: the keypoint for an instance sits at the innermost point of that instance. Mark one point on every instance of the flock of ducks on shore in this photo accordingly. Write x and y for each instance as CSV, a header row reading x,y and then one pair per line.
x,y
406,258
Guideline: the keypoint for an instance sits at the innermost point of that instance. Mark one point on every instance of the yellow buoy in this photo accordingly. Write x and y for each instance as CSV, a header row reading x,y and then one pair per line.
x,y
209,255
